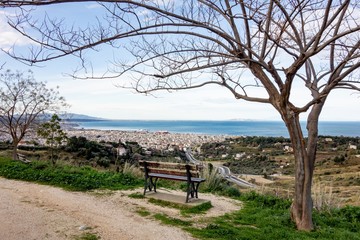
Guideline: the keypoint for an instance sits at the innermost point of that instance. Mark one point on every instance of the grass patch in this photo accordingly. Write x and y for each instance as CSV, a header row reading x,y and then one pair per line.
x,y
136,195
184,209
172,221
199,209
67,177
87,236
143,212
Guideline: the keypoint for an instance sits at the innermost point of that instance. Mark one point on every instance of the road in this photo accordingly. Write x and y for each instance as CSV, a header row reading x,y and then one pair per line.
x,y
223,171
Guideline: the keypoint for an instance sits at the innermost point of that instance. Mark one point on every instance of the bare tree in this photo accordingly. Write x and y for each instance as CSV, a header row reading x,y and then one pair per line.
x,y
22,100
281,47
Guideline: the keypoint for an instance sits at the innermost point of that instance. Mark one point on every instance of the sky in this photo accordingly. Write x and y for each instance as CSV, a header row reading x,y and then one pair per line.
x,y
101,98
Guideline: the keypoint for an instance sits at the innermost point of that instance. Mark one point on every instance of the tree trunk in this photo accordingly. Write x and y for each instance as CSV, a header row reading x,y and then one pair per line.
x,y
14,152
301,208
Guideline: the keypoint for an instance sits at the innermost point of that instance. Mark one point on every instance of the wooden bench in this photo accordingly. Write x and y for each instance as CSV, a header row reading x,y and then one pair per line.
x,y
172,171
23,158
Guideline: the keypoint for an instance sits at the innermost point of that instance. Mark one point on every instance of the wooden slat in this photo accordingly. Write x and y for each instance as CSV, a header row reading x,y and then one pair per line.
x,y
178,178
178,166
170,171
167,176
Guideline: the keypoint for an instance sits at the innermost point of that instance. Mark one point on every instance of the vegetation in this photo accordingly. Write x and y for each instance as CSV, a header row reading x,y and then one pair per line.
x,y
260,217
171,221
256,155
53,134
87,236
143,212
68,177
136,195
184,209
22,101
103,154
267,217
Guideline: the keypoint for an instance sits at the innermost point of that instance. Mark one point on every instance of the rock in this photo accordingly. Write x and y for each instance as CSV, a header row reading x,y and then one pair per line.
x,y
84,227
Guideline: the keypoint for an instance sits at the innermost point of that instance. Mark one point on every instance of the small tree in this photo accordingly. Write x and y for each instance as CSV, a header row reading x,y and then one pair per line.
x,y
22,100
53,134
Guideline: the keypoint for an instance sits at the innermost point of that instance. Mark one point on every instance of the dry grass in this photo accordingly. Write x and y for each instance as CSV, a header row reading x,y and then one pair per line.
x,y
132,170
324,197
213,179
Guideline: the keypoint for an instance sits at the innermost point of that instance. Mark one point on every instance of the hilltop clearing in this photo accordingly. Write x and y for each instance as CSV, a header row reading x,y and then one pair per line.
x,y
33,211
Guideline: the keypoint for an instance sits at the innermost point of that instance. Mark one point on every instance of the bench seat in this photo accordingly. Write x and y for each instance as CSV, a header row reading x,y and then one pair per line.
x,y
177,178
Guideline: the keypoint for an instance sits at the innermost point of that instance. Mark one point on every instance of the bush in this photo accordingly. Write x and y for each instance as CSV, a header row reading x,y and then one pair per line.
x,y
73,178
339,159
266,201
103,161
231,192
214,182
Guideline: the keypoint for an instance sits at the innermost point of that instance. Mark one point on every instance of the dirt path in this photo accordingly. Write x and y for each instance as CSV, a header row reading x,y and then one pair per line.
x,y
31,211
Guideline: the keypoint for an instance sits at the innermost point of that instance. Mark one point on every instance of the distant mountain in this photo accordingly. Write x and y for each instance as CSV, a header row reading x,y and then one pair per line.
x,y
75,116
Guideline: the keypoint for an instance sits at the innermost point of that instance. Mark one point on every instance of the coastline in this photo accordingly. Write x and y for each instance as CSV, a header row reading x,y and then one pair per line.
x,y
209,127
184,134
146,139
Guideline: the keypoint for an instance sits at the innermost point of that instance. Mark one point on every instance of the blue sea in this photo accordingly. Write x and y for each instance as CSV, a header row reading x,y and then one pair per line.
x,y
233,128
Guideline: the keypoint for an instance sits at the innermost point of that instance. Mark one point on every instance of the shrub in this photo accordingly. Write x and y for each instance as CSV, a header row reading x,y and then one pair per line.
x,y
339,159
214,182
132,170
267,201
231,192
73,178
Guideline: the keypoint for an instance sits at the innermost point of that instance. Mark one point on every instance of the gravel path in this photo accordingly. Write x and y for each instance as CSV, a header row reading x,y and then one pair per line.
x,y
31,211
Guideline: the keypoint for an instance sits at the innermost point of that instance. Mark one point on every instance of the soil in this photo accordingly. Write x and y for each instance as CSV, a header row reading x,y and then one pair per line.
x,y
31,211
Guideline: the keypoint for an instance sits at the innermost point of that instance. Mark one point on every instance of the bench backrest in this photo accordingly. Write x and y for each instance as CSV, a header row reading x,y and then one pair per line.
x,y
177,169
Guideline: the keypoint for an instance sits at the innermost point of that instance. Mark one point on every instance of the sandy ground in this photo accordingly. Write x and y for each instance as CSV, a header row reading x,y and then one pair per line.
x,y
31,211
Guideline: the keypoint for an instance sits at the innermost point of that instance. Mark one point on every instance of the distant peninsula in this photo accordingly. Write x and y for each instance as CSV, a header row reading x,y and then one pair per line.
x,y
77,117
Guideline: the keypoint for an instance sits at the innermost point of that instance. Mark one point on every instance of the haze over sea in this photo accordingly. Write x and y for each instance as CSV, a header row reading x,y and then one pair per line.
x,y
233,128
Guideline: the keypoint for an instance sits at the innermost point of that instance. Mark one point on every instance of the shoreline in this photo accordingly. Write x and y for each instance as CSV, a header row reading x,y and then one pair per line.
x,y
228,128
147,139
161,140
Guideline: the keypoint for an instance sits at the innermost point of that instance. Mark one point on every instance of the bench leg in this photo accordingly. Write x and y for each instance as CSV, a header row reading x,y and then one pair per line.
x,y
147,185
154,183
188,192
150,184
196,188
192,190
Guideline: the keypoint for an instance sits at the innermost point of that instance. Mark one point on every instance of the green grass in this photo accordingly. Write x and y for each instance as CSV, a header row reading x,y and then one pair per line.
x,y
143,212
87,236
172,221
136,195
184,209
199,209
67,177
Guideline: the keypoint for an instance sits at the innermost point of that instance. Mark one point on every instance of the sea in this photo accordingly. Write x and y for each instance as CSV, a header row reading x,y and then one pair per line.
x,y
230,127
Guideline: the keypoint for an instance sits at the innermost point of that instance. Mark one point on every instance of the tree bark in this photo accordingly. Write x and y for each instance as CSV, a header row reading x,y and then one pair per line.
x,y
14,152
301,208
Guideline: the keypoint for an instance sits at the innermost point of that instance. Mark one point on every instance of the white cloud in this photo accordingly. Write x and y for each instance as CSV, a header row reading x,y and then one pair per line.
x,y
93,6
8,36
